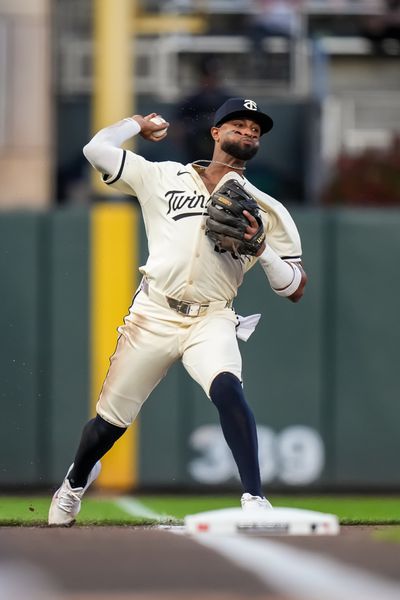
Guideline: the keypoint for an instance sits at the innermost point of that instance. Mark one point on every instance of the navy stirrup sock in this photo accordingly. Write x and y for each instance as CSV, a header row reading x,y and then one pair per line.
x,y
98,437
239,429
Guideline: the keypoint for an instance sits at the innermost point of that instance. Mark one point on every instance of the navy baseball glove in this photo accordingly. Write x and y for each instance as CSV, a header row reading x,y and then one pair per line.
x,y
226,223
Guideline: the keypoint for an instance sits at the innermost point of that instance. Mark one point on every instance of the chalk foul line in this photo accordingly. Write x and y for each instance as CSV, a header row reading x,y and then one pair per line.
x,y
135,508
304,575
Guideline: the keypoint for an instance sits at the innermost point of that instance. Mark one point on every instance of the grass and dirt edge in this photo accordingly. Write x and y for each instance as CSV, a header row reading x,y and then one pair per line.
x,y
99,511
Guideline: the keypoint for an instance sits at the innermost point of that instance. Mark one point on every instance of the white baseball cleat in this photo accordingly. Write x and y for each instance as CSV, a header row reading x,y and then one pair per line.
x,y
66,502
250,502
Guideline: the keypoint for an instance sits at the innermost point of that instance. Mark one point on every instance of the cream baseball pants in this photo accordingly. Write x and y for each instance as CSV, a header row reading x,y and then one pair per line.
x,y
151,340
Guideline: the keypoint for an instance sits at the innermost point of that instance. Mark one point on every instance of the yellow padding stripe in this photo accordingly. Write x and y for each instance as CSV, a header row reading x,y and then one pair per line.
x,y
114,261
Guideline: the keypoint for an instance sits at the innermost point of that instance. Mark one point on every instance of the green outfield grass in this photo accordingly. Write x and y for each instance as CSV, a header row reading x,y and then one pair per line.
x,y
351,510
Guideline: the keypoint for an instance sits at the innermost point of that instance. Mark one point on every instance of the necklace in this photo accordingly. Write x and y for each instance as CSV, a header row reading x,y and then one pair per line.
x,y
218,162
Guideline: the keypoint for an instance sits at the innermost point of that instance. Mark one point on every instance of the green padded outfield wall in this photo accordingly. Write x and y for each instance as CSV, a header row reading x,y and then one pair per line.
x,y
69,336
321,376
22,448
366,337
44,343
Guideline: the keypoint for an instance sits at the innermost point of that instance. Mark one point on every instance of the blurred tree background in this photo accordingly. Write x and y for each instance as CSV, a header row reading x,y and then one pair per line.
x,y
370,178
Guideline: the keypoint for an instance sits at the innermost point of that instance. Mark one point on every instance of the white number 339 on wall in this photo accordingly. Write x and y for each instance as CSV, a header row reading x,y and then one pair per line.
x,y
295,456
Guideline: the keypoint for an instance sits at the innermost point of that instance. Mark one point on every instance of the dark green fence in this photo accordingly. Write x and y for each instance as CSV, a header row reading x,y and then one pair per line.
x,y
321,375
44,343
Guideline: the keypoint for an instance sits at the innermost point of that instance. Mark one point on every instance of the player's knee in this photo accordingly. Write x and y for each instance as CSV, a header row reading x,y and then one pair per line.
x,y
226,390
103,432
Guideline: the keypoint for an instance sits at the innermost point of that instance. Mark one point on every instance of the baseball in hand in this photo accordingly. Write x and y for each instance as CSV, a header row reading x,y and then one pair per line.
x,y
158,121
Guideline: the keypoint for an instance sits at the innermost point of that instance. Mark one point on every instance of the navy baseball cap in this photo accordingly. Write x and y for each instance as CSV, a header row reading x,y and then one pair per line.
x,y
235,108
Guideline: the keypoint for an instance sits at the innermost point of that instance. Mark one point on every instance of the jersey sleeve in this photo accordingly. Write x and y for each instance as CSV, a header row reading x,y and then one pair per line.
x,y
282,234
134,175
280,230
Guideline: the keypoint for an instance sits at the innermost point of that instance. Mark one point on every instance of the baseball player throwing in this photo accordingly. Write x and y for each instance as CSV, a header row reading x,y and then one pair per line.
x,y
200,247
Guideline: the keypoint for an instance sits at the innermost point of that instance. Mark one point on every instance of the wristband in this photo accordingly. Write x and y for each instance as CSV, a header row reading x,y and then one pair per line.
x,y
284,277
293,286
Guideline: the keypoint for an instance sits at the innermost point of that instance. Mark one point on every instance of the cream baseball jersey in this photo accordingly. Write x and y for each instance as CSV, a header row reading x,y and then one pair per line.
x,y
183,262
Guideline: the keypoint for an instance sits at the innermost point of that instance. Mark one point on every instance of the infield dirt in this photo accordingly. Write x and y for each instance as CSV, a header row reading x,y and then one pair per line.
x,y
118,563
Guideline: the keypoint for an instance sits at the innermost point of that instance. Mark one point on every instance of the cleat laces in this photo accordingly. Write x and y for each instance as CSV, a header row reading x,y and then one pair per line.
x,y
67,500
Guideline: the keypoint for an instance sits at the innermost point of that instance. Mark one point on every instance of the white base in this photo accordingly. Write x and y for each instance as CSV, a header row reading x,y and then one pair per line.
x,y
276,521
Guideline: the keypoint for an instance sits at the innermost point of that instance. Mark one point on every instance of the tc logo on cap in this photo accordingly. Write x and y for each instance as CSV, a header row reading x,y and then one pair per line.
x,y
250,104
242,108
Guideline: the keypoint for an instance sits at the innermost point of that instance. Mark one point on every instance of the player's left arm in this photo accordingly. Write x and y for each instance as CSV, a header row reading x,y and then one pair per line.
x,y
286,277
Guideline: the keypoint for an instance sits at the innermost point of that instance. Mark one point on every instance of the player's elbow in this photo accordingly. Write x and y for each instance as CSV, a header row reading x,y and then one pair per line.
x,y
89,152
296,297
298,294
93,153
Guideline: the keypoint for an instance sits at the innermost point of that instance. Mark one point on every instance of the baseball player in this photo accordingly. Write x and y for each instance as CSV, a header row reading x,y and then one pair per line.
x,y
183,309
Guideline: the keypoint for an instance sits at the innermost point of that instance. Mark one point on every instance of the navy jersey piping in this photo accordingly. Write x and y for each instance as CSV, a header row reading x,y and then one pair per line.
x,y
118,175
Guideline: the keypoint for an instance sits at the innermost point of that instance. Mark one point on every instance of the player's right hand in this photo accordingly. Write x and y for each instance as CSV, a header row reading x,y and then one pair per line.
x,y
150,130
